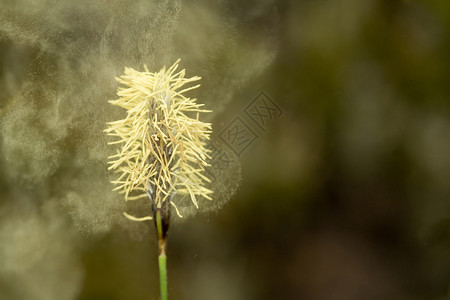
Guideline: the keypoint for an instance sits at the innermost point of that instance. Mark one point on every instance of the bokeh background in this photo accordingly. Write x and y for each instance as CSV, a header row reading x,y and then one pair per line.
x,y
343,195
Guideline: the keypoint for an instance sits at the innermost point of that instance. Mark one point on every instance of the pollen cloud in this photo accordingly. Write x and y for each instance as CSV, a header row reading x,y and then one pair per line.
x,y
58,62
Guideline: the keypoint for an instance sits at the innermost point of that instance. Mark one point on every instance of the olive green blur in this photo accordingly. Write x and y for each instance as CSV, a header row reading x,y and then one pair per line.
x,y
339,188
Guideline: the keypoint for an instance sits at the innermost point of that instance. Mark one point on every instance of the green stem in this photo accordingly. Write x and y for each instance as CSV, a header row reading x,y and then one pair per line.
x,y
163,275
162,257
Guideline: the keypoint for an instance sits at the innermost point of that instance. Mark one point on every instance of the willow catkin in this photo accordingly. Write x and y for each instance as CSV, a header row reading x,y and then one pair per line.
x,y
162,141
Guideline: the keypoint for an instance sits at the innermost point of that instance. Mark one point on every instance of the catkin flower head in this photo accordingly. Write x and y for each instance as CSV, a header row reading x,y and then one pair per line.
x,y
162,141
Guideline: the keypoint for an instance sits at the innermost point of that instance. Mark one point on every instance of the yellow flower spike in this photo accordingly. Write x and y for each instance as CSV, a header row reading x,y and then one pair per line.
x,y
162,148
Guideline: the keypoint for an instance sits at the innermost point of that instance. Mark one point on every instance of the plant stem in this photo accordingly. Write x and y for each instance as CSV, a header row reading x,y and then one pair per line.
x,y
163,275
162,256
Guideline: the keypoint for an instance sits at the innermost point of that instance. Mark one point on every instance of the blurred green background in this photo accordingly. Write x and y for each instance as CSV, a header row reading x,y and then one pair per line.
x,y
346,195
